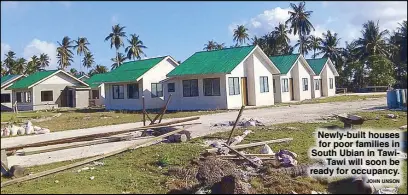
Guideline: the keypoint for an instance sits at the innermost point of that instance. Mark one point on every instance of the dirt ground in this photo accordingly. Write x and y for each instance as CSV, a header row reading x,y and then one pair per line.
x,y
269,116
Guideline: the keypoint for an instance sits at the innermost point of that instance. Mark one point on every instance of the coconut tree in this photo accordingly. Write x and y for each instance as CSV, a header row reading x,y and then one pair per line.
x,y
73,71
118,60
373,41
3,69
19,66
281,35
116,38
135,48
10,61
33,65
64,53
330,48
304,45
88,60
44,60
240,35
314,44
211,45
299,21
220,46
402,40
98,70
81,46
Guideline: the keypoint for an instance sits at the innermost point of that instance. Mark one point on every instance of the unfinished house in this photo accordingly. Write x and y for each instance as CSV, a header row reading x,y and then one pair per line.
x,y
222,79
97,92
324,82
125,85
293,81
6,94
50,89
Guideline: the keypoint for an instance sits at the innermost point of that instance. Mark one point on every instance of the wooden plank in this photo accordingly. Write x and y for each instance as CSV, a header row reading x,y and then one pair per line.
x,y
237,158
214,150
258,155
241,155
235,124
58,169
144,110
164,111
98,135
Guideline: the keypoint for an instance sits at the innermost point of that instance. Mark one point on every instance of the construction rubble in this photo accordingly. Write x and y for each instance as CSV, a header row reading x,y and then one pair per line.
x,y
26,129
242,123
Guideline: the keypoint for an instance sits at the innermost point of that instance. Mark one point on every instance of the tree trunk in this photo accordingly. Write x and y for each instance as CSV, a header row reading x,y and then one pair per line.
x,y
301,44
117,58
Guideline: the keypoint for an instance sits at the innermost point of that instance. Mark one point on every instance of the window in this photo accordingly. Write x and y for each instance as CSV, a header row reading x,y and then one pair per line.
x,y
285,85
95,94
171,87
5,98
331,83
190,88
19,97
305,84
233,85
317,84
27,96
46,96
133,91
273,85
118,92
211,87
264,84
157,90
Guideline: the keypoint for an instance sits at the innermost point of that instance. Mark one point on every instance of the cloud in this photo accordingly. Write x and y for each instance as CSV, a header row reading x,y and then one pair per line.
x,y
114,19
4,49
67,4
37,47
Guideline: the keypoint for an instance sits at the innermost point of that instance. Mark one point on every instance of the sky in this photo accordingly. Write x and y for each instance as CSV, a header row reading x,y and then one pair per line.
x,y
174,28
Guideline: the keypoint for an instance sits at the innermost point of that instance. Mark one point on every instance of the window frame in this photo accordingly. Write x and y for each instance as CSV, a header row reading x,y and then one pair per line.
x,y
156,90
42,96
5,94
137,90
212,83
331,83
305,84
233,81
285,85
263,88
173,88
190,85
118,94
317,84
273,85
27,97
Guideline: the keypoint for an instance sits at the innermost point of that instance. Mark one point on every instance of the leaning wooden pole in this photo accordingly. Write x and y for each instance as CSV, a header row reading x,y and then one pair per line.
x,y
235,124
144,111
162,111
48,172
94,136
165,109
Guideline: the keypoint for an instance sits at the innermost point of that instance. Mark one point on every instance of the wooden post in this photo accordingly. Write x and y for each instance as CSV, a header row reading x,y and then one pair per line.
x,y
235,124
241,155
144,110
165,109
162,111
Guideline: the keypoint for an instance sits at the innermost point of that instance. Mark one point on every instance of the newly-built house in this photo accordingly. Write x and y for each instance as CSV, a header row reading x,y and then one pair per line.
x,y
50,89
6,94
324,82
97,92
293,81
222,79
82,77
125,85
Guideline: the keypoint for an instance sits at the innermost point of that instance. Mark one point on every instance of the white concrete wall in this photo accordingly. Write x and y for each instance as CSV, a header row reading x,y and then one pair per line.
x,y
284,96
154,75
327,73
261,68
81,98
200,102
302,73
315,93
7,106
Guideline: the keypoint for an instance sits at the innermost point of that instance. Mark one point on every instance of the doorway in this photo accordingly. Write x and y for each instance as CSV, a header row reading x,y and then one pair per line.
x,y
70,97
244,91
292,95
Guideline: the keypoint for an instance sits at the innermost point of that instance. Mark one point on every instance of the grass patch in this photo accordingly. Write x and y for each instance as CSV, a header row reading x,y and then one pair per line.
x,y
137,171
341,98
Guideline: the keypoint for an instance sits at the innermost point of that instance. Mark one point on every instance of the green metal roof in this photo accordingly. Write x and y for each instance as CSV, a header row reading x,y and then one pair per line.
x,y
31,79
6,78
212,62
317,64
284,62
96,79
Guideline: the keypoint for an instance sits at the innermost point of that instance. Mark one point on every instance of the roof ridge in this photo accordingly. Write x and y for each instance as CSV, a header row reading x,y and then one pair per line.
x,y
144,59
226,48
285,55
319,58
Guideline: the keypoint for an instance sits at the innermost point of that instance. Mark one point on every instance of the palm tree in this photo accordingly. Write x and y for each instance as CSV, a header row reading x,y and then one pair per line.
x,y
281,35
44,60
135,49
116,38
373,41
402,40
64,53
240,34
220,46
329,48
118,60
315,43
88,60
304,45
33,65
3,69
10,61
73,71
81,46
299,20
19,66
211,45
98,70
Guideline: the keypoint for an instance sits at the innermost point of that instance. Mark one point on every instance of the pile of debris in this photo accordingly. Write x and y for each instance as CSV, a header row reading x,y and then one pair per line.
x,y
26,129
243,123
